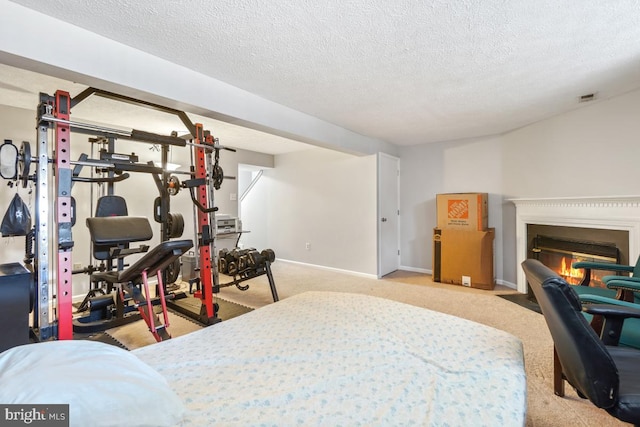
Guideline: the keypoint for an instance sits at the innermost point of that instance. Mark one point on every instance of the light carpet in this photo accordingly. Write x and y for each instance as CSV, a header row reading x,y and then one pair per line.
x,y
137,334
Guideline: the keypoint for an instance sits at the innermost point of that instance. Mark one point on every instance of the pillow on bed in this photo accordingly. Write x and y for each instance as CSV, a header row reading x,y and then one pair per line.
x,y
104,385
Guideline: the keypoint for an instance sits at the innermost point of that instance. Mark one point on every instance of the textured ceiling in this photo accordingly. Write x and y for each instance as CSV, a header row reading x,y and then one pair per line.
x,y
407,72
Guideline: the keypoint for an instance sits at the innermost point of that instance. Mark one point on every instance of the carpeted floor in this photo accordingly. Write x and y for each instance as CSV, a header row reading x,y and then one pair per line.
x,y
523,301
100,337
137,334
226,309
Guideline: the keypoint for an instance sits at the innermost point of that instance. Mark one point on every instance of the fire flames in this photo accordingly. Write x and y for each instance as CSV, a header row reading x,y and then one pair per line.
x,y
571,275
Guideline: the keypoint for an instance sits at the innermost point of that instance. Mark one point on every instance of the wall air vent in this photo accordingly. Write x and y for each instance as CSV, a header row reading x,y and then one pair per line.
x,y
588,97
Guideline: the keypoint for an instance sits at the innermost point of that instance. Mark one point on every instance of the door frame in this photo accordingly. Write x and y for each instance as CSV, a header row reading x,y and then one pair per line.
x,y
379,210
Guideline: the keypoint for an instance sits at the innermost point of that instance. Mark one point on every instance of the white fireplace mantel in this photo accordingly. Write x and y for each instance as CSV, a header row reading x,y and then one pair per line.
x,y
608,212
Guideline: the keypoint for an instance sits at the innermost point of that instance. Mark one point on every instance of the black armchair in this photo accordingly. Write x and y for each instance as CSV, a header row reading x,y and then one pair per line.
x,y
602,372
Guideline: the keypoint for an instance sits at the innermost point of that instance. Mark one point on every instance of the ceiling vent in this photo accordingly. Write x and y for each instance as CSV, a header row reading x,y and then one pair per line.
x,y
588,97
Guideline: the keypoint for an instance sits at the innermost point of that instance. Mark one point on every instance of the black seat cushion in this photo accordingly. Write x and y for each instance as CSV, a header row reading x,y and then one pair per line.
x,y
112,231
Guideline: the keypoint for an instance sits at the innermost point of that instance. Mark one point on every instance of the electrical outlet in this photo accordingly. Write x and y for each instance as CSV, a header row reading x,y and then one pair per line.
x,y
307,246
233,196
77,265
466,281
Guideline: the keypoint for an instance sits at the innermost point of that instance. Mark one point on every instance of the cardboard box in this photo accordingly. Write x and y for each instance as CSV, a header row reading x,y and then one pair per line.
x,y
463,211
463,257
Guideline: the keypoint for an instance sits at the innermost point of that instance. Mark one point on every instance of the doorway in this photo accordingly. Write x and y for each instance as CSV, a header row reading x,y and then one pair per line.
x,y
253,201
388,214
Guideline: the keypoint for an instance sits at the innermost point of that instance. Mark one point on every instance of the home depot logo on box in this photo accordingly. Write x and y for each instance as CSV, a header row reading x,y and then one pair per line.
x,y
458,209
468,211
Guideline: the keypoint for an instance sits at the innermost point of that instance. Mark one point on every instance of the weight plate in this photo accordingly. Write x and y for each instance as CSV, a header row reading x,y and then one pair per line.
x,y
175,225
173,185
269,254
232,268
222,266
173,270
32,292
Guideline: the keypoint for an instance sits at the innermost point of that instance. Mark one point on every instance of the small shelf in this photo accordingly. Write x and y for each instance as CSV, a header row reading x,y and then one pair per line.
x,y
231,234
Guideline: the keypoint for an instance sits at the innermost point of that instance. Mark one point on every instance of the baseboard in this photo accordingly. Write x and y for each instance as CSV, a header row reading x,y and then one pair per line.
x,y
337,270
426,271
507,284
415,269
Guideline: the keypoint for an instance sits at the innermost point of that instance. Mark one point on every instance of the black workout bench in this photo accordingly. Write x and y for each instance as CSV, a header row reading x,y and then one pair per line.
x,y
116,232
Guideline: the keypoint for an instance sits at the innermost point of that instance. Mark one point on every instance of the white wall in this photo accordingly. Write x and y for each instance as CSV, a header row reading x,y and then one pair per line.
x,y
591,151
466,166
327,199
227,196
255,213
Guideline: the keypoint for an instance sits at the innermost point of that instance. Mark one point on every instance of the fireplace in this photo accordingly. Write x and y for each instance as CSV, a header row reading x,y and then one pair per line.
x,y
578,219
552,246
560,254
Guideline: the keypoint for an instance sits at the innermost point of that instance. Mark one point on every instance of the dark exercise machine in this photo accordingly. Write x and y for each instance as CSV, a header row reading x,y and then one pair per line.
x,y
133,297
51,241
48,249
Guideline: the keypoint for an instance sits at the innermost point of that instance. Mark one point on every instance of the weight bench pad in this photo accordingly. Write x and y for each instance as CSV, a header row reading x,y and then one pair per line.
x,y
118,230
156,259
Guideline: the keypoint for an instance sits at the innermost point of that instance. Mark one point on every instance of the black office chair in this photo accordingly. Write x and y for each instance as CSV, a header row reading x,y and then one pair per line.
x,y
599,370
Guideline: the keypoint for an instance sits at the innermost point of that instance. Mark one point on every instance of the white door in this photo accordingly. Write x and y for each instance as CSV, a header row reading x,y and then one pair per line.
x,y
388,214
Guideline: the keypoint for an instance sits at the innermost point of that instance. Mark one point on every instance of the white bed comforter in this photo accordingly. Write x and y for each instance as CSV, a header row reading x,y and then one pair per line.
x,y
338,359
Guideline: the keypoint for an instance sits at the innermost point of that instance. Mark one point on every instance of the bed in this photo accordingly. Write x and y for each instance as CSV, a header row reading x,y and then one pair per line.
x,y
314,359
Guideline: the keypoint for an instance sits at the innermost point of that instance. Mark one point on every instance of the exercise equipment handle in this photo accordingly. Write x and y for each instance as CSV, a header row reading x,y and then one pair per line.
x,y
198,204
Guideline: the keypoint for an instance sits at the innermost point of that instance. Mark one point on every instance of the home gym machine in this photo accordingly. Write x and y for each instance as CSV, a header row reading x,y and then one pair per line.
x,y
52,257
204,177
